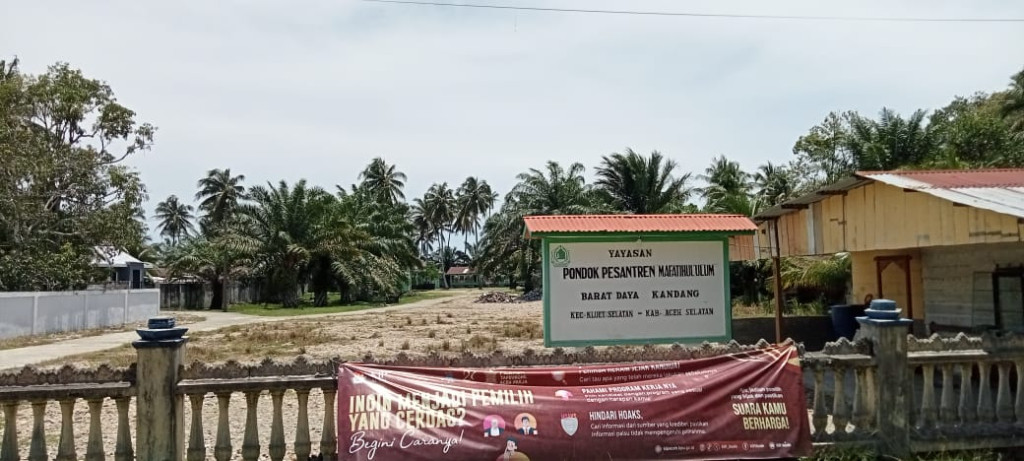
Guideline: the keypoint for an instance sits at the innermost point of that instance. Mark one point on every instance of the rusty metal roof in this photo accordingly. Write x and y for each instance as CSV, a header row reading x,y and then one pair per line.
x,y
632,223
1000,190
459,270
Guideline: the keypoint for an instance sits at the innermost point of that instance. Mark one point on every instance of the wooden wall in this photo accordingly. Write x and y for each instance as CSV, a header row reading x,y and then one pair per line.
x,y
877,216
865,279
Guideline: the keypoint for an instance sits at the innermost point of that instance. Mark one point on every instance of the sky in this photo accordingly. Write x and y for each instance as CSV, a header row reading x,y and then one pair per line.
x,y
315,89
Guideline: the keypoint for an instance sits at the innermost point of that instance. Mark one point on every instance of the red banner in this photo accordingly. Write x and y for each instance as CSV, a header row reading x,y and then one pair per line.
x,y
738,406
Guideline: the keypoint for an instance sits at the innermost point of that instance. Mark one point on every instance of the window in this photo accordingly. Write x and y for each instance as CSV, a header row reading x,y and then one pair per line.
x,y
1008,298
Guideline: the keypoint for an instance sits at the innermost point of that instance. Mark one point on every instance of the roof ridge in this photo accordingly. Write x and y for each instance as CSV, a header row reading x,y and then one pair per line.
x,y
916,172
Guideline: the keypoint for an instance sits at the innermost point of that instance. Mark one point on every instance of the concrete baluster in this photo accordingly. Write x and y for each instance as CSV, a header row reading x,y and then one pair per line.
x,y
37,448
94,448
968,409
66,446
820,418
985,412
9,445
222,450
277,445
197,439
871,397
1019,402
860,411
928,412
302,445
947,402
840,410
329,438
1004,404
123,447
251,438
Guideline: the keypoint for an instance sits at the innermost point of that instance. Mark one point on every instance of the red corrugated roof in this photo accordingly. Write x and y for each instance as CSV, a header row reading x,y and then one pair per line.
x,y
953,179
459,270
638,223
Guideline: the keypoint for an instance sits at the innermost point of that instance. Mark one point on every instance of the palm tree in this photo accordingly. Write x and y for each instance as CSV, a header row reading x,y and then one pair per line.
x,y
219,194
634,184
384,181
218,261
552,191
891,142
175,219
774,185
285,227
728,188
474,199
1013,103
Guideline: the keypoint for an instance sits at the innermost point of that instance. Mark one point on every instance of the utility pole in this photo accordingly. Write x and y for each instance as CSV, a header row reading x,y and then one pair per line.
x,y
777,275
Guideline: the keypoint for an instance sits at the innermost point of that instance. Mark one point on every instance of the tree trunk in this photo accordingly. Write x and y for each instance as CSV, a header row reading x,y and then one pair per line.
x,y
217,300
527,276
320,297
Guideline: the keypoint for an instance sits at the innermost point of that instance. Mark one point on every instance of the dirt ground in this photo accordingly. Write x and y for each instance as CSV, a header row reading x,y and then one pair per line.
x,y
452,326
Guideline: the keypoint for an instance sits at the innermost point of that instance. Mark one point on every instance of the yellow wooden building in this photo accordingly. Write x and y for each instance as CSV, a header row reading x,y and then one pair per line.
x,y
947,246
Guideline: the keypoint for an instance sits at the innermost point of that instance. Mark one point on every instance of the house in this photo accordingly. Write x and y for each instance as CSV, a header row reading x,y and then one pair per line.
x,y
125,269
947,246
462,276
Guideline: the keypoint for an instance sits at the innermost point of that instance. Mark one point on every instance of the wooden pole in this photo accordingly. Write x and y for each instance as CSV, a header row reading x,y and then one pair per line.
x,y
777,275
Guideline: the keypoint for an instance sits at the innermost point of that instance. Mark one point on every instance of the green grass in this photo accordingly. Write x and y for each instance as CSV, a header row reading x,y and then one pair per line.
x,y
275,310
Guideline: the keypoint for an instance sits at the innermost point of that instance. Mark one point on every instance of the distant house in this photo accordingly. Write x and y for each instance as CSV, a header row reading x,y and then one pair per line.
x,y
125,269
946,245
462,276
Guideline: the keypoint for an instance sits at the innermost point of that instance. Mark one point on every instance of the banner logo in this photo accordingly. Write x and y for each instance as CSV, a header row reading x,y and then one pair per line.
x,y
560,256
570,423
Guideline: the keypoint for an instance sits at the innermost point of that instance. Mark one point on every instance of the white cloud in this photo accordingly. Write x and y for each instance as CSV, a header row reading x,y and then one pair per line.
x,y
315,89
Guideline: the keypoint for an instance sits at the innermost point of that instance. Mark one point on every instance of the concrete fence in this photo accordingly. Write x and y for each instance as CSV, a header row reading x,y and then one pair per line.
x,y
32,313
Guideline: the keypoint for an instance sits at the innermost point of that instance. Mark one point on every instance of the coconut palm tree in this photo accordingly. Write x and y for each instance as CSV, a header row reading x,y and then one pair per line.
x,y
636,184
774,184
175,219
474,200
728,188
219,194
384,181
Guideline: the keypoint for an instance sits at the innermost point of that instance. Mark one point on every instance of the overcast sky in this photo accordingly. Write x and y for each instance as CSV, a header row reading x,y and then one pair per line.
x,y
315,89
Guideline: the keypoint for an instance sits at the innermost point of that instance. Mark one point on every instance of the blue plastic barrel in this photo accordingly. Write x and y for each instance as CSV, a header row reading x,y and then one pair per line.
x,y
844,319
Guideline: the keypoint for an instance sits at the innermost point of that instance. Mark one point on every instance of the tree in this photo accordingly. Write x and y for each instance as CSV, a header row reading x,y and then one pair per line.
x,y
384,182
774,184
635,184
972,133
63,187
891,142
552,191
435,215
825,148
284,228
474,199
219,194
175,219
727,189
217,260
1012,108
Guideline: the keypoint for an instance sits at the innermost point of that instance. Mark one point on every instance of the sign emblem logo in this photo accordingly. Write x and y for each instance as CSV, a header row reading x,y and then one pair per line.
x,y
570,423
560,256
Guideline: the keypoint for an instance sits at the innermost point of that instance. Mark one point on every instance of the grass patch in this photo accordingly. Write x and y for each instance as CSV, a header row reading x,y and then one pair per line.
x,y
40,340
275,310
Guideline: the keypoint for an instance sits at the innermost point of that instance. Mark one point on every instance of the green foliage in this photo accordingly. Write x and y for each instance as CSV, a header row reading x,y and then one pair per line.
x,y
633,183
63,189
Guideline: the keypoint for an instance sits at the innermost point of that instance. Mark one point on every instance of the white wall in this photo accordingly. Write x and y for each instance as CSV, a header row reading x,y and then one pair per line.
x,y
26,313
948,273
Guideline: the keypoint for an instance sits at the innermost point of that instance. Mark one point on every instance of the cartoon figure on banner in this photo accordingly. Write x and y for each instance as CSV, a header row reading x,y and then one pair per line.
x,y
510,453
494,426
526,424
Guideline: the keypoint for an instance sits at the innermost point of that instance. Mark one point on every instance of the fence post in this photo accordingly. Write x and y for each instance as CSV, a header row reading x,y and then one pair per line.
x,y
888,336
159,419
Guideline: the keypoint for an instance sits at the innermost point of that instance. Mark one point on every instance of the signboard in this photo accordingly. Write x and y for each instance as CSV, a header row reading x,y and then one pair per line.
x,y
635,291
748,405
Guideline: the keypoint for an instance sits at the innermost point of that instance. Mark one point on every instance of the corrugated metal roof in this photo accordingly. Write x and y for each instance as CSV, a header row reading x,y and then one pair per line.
x,y
564,224
459,270
999,190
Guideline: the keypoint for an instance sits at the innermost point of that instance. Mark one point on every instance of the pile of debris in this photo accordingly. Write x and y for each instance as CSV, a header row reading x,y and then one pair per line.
x,y
533,295
497,297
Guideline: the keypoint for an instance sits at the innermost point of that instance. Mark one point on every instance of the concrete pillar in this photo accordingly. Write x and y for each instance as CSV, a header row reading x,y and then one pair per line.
x,y
160,432
888,335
